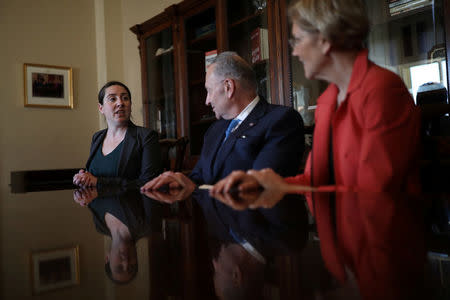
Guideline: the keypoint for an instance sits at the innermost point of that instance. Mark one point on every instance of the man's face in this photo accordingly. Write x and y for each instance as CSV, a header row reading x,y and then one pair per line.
x,y
216,95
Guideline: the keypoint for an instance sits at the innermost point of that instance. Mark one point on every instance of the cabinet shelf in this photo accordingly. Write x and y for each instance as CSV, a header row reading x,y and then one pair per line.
x,y
205,37
165,54
245,19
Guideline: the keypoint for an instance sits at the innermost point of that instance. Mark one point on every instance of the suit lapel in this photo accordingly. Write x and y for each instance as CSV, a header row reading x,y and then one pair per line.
x,y
128,145
249,122
214,148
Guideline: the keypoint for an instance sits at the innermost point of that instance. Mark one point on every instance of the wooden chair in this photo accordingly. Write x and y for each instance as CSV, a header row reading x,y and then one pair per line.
x,y
173,150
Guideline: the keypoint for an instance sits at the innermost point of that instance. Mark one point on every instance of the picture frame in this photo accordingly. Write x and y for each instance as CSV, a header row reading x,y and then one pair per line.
x,y
54,269
48,86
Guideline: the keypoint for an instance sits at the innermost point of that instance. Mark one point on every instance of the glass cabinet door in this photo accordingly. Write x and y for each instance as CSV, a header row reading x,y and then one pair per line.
x,y
408,37
248,36
160,104
201,44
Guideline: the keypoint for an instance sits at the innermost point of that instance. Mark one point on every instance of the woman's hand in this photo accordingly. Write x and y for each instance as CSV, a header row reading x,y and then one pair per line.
x,y
85,179
273,182
269,180
84,196
250,200
239,179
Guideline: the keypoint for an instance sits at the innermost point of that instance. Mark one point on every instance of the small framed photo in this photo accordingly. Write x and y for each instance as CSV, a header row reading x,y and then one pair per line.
x,y
54,269
48,86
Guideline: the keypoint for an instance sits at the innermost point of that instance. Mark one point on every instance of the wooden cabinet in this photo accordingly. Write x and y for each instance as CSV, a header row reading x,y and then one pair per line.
x,y
172,47
173,44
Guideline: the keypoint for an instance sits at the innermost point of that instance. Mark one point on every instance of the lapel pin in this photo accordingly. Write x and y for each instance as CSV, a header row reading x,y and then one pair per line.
x,y
251,124
244,136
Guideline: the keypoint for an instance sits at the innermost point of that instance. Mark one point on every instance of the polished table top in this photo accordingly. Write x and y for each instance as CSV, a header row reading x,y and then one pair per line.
x,y
348,246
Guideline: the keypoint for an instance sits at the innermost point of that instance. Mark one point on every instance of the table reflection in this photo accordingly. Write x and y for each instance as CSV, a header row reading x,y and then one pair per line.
x,y
126,217
244,244
170,245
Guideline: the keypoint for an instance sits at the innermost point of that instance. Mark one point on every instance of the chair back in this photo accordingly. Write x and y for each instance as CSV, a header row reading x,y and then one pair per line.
x,y
173,150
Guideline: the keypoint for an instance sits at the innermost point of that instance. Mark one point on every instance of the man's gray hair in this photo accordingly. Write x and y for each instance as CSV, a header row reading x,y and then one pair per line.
x,y
230,65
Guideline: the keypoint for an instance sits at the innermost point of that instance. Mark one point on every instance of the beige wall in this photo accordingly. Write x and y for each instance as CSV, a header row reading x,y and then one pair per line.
x,y
92,37
54,33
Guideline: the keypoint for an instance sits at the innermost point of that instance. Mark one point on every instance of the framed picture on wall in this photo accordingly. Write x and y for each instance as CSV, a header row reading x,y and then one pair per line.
x,y
54,269
48,86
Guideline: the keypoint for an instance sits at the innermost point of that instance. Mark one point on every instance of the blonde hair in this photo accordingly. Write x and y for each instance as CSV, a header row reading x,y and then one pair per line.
x,y
344,23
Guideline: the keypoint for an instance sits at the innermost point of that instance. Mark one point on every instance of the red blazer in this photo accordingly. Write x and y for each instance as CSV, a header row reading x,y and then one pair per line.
x,y
375,134
379,237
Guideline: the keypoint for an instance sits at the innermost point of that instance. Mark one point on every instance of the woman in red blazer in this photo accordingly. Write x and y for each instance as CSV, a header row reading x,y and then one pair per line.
x,y
366,134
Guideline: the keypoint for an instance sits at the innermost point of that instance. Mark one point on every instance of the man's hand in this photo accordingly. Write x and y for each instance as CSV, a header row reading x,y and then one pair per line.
x,y
84,178
171,180
171,196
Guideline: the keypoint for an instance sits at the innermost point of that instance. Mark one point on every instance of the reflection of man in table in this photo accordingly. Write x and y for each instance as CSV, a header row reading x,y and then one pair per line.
x,y
243,243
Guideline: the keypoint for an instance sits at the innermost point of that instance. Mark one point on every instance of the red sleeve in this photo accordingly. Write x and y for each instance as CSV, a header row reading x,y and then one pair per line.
x,y
302,179
390,141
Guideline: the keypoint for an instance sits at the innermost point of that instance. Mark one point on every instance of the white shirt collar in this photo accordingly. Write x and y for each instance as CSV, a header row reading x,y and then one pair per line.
x,y
247,110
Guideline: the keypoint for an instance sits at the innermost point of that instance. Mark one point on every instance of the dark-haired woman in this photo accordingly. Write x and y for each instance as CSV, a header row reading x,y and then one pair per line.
x,y
122,154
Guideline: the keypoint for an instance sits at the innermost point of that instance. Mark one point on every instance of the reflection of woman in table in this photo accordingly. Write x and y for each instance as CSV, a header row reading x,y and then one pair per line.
x,y
126,218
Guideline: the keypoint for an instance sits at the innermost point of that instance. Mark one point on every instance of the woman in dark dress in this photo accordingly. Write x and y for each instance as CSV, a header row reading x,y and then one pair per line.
x,y
124,153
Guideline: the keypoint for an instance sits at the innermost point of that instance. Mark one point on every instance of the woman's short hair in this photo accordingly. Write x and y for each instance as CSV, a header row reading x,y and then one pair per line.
x,y
230,64
101,93
344,23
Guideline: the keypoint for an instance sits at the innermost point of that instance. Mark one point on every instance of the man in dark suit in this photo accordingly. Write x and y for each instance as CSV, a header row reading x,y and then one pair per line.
x,y
249,134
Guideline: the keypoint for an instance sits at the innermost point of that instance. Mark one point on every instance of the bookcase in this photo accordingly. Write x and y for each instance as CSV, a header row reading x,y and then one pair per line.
x,y
172,48
173,44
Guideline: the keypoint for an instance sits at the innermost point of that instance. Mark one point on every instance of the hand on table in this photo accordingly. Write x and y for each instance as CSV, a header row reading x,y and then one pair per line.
x,y
247,195
267,198
84,178
238,181
84,196
170,180
171,195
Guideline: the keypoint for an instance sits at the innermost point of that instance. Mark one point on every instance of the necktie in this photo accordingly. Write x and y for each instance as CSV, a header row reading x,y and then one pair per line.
x,y
231,126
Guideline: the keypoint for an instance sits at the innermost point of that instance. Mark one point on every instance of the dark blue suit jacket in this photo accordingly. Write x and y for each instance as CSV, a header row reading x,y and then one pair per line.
x,y
280,229
270,137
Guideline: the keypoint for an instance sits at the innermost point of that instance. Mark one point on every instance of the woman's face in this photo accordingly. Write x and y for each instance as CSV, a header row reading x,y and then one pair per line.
x,y
116,105
310,50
